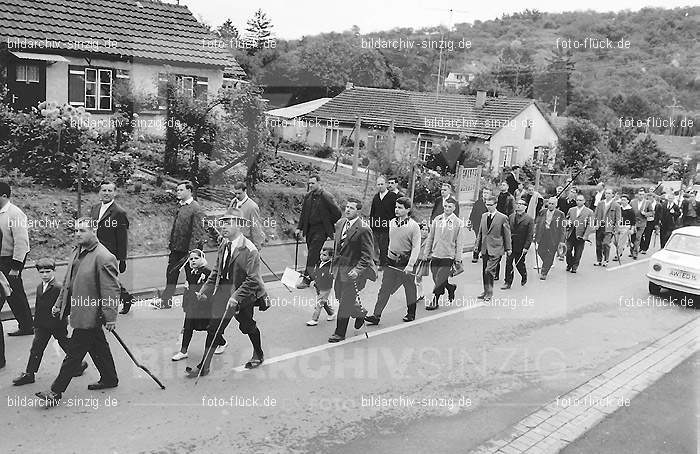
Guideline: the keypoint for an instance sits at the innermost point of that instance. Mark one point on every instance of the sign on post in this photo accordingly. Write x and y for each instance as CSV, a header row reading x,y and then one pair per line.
x,y
468,179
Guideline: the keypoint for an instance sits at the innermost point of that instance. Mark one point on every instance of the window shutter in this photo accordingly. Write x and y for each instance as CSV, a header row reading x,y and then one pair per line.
x,y
501,157
162,90
76,85
513,156
201,86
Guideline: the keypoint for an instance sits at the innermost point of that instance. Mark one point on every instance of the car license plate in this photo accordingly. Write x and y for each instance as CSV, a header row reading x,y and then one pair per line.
x,y
685,275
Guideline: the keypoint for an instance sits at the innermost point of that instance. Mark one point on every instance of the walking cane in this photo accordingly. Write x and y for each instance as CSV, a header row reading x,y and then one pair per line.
x,y
141,366
296,250
216,336
537,261
273,273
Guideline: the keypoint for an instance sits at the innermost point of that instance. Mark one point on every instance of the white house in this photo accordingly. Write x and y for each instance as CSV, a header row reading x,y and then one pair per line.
x,y
510,131
83,56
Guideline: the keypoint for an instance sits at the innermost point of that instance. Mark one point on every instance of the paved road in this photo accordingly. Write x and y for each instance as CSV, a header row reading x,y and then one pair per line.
x,y
458,377
663,419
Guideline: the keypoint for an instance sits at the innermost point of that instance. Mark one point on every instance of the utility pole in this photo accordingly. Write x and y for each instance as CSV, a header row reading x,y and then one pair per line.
x,y
356,146
556,98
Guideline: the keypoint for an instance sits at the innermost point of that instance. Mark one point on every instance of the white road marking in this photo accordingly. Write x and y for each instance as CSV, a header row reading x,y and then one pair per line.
x,y
632,263
360,337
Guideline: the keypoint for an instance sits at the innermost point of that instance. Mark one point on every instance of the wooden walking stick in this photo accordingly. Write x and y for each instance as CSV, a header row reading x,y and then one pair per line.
x,y
140,366
216,336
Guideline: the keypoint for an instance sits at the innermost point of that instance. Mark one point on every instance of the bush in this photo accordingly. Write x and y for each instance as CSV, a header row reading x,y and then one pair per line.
x,y
164,197
17,178
322,151
427,188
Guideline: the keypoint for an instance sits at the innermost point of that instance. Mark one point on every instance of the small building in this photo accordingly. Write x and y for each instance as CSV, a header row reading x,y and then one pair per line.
x,y
288,122
510,131
84,53
455,81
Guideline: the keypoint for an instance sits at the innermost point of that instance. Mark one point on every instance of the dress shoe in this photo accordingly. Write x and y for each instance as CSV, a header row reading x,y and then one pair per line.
x,y
573,270
125,308
475,260
634,257
335,338
523,281
193,372
50,398
543,276
483,296
23,379
409,318
100,385
371,320
81,371
21,332
598,264
568,267
451,292
643,252
359,321
505,286
254,362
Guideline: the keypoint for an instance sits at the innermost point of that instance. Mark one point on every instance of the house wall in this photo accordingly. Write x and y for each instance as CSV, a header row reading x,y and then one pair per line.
x,y
513,134
144,77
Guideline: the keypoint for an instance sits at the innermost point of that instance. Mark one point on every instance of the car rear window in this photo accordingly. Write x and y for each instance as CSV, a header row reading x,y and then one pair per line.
x,y
684,243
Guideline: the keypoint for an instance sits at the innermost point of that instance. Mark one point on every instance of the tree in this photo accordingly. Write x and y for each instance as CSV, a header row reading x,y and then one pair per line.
x,y
578,142
515,69
259,29
555,80
641,158
227,31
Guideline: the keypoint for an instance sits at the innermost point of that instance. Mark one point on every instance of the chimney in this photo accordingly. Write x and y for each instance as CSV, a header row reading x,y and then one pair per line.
x,y
480,99
349,85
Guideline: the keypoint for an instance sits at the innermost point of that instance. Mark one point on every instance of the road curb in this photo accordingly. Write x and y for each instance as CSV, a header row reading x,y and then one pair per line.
x,y
553,426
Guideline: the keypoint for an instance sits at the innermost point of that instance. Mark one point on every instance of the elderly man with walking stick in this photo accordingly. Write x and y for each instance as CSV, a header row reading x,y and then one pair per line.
x,y
522,227
90,294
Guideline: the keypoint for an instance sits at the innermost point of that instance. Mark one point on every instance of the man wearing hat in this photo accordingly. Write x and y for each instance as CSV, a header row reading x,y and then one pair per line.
x,y
236,288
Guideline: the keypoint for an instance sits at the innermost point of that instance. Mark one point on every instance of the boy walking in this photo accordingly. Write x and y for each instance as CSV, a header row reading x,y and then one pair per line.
x,y
45,324
323,281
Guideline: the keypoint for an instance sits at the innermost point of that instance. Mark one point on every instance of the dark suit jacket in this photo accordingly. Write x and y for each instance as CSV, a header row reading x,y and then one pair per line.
x,y
247,287
112,229
356,253
609,219
494,241
319,205
478,210
667,214
521,230
556,227
641,212
505,203
438,210
382,211
44,303
583,224
188,230
513,183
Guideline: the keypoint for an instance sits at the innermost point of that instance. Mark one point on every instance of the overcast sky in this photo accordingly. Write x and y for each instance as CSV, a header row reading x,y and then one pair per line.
x,y
295,18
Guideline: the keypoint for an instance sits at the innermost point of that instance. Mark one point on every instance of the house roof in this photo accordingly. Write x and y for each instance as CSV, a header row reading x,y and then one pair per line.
x,y
678,147
143,29
298,110
450,114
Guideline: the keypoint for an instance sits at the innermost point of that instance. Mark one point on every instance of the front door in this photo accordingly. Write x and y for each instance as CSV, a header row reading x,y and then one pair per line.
x,y
26,82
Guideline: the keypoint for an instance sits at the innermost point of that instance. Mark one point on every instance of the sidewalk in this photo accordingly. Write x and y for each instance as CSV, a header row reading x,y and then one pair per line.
x,y
327,164
552,427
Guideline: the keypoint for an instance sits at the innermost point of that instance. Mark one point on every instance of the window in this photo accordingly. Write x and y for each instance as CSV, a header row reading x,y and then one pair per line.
x,y
334,137
540,155
425,149
528,130
27,73
98,89
508,156
685,244
185,84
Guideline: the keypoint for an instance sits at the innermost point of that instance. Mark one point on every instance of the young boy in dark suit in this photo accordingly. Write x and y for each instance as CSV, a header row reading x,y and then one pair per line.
x,y
45,324
323,281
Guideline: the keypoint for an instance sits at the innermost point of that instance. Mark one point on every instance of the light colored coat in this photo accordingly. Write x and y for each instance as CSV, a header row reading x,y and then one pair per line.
x,y
251,212
446,238
94,293
13,227
494,241
583,223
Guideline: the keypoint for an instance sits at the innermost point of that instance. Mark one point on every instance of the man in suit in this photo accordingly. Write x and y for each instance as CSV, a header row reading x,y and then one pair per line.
x,y
642,210
380,213
549,233
353,265
478,210
45,324
689,209
522,227
187,233
607,219
91,293
512,180
493,241
319,213
506,201
251,212
564,204
667,214
404,248
651,222
534,201
236,289
14,247
445,193
579,224
113,232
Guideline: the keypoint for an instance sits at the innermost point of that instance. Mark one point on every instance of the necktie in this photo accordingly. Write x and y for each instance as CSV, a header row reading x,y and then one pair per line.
x,y
489,219
227,256
344,234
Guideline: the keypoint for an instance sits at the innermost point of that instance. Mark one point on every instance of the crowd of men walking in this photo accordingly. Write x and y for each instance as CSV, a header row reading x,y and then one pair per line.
x,y
389,245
